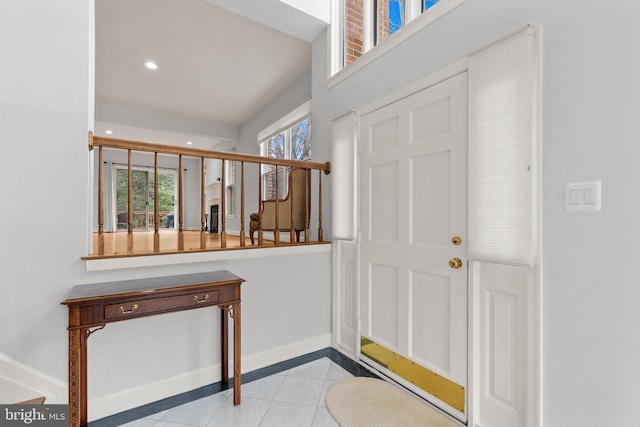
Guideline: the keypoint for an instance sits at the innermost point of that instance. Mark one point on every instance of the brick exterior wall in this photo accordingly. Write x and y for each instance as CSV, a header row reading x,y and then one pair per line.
x,y
353,42
383,20
353,30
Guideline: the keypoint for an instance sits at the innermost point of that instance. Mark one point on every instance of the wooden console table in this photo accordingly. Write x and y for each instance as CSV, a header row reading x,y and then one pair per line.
x,y
92,306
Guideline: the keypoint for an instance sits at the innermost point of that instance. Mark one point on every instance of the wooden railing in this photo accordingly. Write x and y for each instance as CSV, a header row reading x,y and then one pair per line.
x,y
131,147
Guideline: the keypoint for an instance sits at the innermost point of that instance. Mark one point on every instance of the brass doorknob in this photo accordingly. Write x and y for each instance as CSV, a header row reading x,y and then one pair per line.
x,y
455,263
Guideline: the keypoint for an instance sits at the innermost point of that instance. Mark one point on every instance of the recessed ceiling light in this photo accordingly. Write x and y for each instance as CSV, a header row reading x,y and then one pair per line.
x,y
189,142
151,65
108,132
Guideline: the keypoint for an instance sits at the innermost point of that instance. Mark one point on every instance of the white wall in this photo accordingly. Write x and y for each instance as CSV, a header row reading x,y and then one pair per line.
x,y
281,308
591,105
44,112
297,93
140,118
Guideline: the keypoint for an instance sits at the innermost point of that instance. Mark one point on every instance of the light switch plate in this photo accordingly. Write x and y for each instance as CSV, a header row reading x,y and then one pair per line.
x,y
583,196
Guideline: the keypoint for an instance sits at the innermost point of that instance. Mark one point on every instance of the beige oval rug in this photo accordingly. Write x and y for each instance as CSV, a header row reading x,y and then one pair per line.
x,y
368,402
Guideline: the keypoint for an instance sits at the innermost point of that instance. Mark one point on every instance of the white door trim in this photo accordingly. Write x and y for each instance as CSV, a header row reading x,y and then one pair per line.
x,y
534,415
413,133
420,85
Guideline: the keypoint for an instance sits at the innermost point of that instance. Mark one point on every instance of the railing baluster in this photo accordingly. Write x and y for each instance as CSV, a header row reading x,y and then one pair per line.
x,y
203,241
223,208
180,206
129,204
242,237
276,233
320,238
156,214
100,205
228,198
307,174
260,183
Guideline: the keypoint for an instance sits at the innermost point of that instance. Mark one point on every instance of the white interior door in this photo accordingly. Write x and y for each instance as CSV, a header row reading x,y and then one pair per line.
x,y
413,304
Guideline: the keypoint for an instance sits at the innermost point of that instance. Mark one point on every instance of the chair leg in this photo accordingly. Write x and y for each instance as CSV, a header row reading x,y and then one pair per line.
x,y
297,236
251,236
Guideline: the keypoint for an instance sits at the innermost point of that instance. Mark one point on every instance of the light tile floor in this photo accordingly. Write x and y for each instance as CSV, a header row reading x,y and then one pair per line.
x,y
295,397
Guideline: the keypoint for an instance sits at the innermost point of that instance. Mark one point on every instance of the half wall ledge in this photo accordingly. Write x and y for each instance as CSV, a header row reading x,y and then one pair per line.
x,y
119,263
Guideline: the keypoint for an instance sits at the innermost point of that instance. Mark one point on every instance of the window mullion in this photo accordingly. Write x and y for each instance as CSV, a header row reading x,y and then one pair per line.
x,y
413,10
368,24
287,143
336,40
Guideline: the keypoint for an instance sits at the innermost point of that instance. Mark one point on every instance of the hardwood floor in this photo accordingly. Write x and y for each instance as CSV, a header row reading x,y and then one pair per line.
x,y
115,243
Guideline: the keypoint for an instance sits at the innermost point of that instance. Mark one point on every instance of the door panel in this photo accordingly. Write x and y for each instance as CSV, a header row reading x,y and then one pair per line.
x,y
431,329
385,134
384,298
502,300
413,189
431,120
431,202
384,202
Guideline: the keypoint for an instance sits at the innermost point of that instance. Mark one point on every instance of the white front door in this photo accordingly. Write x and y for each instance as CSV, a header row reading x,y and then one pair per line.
x,y
413,288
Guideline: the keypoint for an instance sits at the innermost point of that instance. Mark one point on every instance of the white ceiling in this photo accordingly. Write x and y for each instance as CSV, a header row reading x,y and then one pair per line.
x,y
213,64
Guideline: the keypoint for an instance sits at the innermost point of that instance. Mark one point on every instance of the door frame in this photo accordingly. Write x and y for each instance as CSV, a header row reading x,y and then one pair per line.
x,y
447,73
350,250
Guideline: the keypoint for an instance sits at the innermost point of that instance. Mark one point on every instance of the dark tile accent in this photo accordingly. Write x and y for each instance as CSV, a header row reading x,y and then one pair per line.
x,y
170,402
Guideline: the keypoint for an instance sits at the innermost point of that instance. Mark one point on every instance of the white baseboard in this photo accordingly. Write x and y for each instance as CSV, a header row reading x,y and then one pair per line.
x,y
114,403
128,399
270,357
19,382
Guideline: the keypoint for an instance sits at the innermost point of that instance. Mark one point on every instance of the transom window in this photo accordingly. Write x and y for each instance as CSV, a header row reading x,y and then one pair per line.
x,y
361,25
390,17
369,22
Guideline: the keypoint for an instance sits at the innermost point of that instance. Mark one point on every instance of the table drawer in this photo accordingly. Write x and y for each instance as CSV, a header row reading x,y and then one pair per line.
x,y
159,305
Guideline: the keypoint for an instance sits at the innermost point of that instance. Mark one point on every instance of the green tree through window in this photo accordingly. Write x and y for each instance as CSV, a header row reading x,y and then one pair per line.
x,y
142,186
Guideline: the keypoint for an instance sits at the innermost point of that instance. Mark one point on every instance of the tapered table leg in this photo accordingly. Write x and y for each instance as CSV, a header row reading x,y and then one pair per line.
x,y
224,342
75,378
237,383
77,370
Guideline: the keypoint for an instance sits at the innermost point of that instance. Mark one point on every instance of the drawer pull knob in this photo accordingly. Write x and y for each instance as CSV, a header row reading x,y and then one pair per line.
x,y
198,300
134,307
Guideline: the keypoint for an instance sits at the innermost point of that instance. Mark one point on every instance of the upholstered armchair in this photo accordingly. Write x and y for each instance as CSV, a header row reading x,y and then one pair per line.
x,y
296,205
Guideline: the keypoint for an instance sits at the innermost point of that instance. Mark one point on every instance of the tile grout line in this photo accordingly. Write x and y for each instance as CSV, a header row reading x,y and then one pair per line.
x,y
334,358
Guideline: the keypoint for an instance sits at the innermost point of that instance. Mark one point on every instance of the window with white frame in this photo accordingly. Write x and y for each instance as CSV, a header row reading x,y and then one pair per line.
x,y
361,25
288,138
142,198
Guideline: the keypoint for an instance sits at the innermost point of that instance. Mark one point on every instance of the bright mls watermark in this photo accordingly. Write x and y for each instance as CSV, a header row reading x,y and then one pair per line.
x,y
34,415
